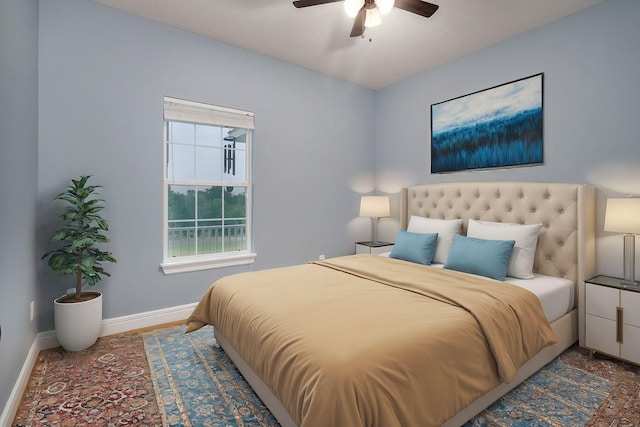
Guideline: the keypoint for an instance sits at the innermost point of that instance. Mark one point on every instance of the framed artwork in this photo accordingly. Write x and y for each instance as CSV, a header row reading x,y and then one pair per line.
x,y
493,128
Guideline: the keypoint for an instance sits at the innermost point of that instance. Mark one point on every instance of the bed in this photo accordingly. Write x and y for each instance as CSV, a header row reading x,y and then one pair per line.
x,y
305,340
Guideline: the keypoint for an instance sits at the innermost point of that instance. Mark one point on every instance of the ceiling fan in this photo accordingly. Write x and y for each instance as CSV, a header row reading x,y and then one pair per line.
x,y
367,12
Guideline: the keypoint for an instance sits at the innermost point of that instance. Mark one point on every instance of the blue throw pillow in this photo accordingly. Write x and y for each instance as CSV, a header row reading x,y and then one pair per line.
x,y
489,258
415,247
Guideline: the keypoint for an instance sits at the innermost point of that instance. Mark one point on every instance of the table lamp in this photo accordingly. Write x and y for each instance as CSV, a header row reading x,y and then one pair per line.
x,y
623,216
375,207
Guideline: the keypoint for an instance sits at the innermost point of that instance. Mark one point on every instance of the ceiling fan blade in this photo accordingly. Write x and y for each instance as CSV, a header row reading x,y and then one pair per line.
x,y
358,23
417,6
306,3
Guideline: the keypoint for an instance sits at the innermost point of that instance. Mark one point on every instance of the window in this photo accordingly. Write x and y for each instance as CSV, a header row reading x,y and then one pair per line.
x,y
207,186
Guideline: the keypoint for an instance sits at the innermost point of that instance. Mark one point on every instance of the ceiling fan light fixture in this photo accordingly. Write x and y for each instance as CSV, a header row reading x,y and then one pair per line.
x,y
372,18
367,12
352,7
385,6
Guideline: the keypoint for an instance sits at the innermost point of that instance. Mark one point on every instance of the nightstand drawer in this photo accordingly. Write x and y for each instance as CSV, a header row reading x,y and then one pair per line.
x,y
630,301
601,335
631,348
602,301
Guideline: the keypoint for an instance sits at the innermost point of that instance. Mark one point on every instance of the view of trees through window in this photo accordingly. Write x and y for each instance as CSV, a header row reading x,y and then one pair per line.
x,y
206,219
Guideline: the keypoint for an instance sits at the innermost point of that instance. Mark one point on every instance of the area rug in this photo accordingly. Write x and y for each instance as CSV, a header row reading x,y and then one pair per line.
x,y
558,395
186,380
198,385
105,385
185,365
622,407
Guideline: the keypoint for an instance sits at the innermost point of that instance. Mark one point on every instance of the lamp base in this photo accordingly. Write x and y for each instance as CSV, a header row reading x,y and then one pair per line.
x,y
374,229
629,256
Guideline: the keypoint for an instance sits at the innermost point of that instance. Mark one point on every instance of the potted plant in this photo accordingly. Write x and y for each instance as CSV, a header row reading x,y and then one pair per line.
x,y
78,315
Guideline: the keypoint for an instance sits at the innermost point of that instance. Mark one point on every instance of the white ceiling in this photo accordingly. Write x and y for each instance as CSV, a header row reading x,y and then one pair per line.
x,y
317,37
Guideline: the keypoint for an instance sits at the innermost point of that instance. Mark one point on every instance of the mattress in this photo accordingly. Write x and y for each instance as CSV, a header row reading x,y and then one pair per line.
x,y
556,295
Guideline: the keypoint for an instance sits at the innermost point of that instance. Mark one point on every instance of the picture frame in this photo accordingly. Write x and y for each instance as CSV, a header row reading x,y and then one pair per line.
x,y
498,127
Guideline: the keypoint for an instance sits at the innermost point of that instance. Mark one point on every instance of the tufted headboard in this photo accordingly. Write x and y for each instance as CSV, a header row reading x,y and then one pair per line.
x,y
566,244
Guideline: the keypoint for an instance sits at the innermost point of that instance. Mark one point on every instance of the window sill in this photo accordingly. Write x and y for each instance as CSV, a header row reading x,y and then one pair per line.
x,y
188,264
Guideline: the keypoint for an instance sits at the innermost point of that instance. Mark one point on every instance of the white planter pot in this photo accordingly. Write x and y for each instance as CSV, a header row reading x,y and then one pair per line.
x,y
79,324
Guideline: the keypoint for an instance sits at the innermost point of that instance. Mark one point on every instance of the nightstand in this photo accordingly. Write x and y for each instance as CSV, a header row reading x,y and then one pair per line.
x,y
373,247
612,318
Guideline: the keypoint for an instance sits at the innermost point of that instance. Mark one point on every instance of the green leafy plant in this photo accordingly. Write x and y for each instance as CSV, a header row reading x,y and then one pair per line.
x,y
83,228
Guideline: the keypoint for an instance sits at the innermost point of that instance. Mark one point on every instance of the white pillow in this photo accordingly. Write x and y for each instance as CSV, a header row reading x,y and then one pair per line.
x,y
524,251
446,229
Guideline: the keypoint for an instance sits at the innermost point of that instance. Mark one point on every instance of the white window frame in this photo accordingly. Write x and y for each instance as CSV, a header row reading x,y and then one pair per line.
x,y
195,112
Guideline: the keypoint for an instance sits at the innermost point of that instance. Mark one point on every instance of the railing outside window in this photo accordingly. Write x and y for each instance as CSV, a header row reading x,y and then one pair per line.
x,y
185,241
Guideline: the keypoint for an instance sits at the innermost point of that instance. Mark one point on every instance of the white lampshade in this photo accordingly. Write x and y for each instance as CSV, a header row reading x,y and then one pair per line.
x,y
385,6
375,206
623,215
372,18
352,7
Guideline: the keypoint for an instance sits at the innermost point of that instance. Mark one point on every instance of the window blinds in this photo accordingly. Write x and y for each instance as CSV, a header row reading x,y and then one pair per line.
x,y
194,112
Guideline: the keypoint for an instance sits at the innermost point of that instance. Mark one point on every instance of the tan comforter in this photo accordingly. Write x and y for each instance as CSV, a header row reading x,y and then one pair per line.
x,y
370,341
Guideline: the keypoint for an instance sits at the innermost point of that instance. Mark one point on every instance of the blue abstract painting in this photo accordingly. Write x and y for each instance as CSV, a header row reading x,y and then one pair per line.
x,y
493,128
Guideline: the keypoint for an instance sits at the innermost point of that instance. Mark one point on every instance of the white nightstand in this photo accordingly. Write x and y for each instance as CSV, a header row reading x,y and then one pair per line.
x,y
612,317
373,247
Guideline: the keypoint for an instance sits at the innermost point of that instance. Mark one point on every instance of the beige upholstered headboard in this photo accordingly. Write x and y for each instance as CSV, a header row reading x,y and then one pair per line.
x,y
566,243
566,211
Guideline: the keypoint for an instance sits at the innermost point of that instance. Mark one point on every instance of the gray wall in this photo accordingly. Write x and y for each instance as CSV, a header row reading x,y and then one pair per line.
x,y
103,74
18,184
590,62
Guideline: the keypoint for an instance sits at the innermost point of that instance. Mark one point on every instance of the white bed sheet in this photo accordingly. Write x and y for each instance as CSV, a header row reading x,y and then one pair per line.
x,y
556,295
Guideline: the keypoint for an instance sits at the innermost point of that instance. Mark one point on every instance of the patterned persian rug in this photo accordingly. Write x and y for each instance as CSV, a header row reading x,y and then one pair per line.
x,y
198,385
562,394
167,378
105,385
558,395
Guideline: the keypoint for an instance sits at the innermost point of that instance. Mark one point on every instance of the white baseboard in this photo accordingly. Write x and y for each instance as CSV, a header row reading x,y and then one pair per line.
x,y
116,325
10,409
